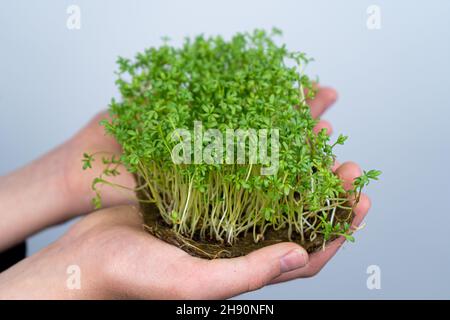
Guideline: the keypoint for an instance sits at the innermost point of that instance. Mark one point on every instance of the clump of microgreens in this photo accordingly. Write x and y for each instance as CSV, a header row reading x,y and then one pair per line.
x,y
246,82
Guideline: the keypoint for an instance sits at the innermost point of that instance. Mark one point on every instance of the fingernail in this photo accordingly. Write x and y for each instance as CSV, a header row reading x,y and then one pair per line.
x,y
294,259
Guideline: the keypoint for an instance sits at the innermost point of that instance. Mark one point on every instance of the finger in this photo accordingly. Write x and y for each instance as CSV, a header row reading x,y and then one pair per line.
x,y
348,171
229,277
319,259
323,124
336,165
361,210
324,98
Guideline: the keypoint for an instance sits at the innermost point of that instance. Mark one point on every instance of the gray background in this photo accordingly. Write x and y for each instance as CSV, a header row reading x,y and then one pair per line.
x,y
394,105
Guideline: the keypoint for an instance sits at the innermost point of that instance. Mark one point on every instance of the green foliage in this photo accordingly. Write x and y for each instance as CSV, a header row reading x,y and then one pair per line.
x,y
246,82
365,178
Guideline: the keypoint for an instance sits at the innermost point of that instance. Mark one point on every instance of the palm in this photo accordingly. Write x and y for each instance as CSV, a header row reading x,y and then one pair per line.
x,y
143,264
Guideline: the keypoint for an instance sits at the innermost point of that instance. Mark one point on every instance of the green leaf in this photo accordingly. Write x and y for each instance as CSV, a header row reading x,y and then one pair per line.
x,y
349,237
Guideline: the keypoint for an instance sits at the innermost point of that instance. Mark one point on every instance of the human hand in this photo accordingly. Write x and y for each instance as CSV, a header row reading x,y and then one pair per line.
x,y
119,259
54,188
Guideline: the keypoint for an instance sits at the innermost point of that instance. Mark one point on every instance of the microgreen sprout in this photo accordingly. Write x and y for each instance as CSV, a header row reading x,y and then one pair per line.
x,y
247,82
362,181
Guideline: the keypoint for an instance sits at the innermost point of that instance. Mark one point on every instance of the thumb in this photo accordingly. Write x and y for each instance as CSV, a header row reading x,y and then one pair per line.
x,y
229,277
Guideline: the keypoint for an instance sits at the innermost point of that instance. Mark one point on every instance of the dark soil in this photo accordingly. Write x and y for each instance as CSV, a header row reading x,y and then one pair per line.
x,y
155,225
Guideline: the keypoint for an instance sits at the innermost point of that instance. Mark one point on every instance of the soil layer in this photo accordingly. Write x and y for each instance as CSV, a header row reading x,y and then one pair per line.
x,y
156,226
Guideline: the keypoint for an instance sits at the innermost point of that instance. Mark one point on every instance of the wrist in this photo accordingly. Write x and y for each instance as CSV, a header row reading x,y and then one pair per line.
x,y
31,198
53,273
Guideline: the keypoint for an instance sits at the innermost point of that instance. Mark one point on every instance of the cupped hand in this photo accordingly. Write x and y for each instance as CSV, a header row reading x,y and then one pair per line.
x,y
117,258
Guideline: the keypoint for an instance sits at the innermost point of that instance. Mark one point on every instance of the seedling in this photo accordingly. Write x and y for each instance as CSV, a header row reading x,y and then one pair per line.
x,y
212,204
